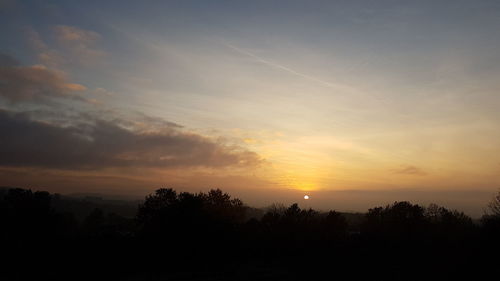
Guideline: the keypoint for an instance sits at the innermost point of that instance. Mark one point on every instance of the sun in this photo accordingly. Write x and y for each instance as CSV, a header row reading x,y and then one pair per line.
x,y
306,197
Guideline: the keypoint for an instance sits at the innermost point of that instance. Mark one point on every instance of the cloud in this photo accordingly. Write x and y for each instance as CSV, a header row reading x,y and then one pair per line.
x,y
95,143
45,55
72,45
102,92
74,34
79,42
7,61
33,83
409,170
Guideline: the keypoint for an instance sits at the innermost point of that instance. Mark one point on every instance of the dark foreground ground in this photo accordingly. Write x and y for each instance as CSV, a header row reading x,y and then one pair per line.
x,y
211,236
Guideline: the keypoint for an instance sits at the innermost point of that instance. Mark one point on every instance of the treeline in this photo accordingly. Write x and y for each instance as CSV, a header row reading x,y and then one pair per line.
x,y
205,236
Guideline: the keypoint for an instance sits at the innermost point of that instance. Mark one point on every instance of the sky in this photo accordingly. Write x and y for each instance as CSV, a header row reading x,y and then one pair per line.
x,y
355,103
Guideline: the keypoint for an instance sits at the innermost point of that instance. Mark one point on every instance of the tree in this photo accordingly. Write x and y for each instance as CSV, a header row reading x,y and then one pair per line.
x,y
447,223
222,208
491,219
293,211
157,216
494,205
156,204
398,219
335,224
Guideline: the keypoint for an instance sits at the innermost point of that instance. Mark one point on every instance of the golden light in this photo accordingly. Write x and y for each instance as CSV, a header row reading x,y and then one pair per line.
x,y
306,197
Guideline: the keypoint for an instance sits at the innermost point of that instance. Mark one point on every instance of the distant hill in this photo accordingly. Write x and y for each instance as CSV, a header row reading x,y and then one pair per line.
x,y
81,205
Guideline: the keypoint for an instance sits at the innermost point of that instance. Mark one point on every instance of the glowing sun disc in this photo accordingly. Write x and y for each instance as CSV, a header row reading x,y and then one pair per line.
x,y
306,197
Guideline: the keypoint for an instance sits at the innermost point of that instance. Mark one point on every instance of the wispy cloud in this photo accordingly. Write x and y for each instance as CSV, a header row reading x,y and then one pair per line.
x,y
45,54
409,170
79,42
72,45
34,83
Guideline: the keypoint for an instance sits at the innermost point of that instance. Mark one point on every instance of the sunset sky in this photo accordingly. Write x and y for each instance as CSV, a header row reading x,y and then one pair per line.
x,y
356,103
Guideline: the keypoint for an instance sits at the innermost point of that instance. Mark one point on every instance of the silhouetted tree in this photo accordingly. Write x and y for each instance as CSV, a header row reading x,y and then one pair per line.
x,y
491,219
203,231
401,219
446,223
334,224
494,205
200,217
27,213
159,213
155,204
222,207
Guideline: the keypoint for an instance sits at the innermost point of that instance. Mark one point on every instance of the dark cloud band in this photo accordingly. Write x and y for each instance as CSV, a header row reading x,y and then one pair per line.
x,y
97,143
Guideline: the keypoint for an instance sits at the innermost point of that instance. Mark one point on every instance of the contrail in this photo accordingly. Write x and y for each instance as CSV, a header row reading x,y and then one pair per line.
x,y
345,88
289,70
